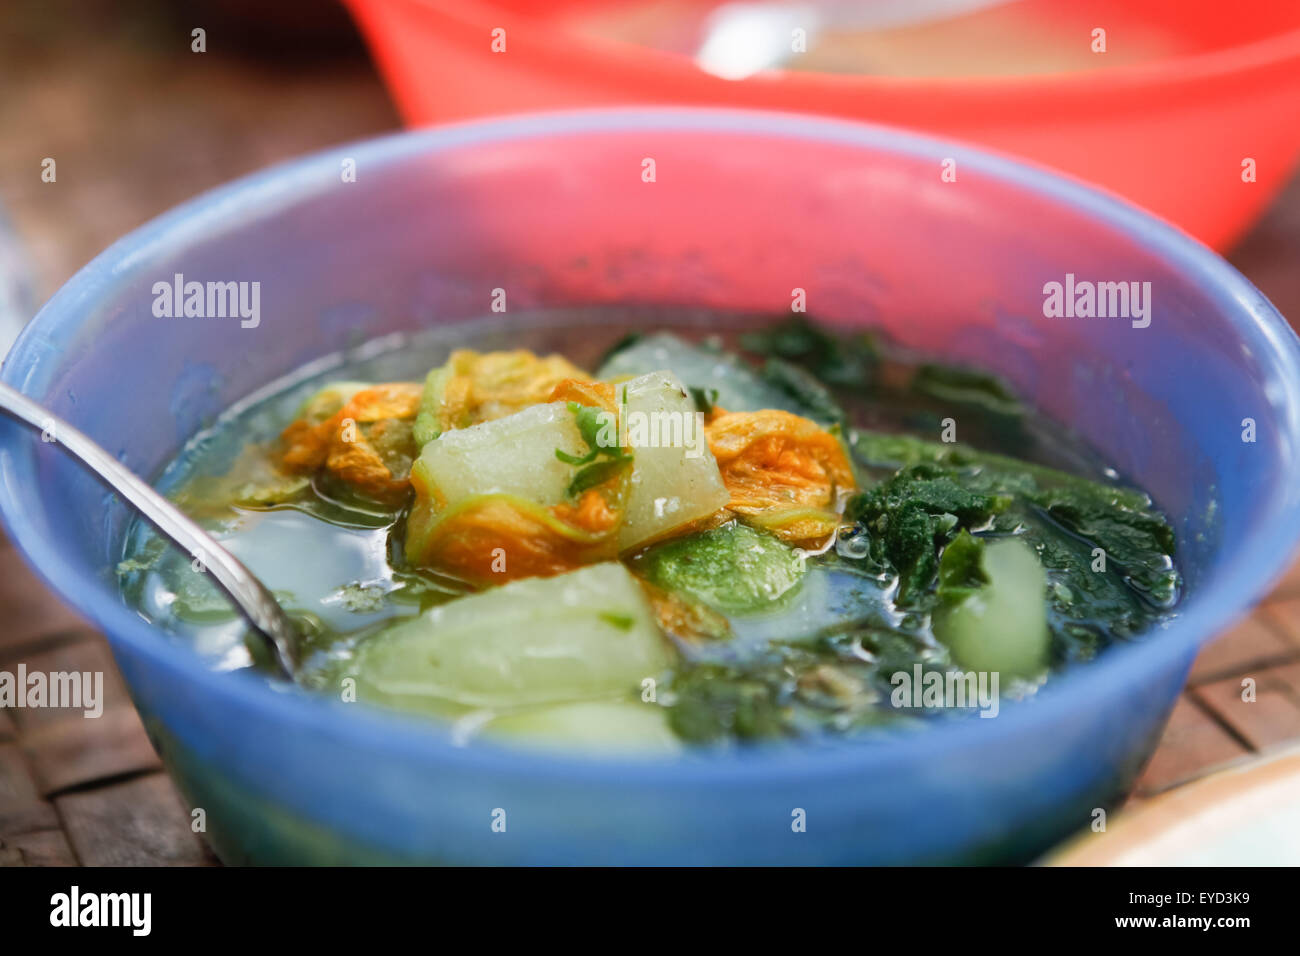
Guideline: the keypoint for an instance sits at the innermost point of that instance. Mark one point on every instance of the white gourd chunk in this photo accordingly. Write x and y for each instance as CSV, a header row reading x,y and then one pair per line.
x,y
595,727
675,479
512,455
587,634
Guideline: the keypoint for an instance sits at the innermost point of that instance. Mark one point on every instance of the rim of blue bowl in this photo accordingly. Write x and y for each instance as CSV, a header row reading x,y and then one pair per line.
x,y
1204,612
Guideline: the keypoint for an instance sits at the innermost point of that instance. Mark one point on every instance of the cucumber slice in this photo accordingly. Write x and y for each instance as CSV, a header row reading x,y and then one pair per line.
x,y
577,636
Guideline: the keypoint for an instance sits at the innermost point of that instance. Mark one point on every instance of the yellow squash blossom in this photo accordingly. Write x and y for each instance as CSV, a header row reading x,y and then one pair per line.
x,y
783,472
366,443
474,387
492,538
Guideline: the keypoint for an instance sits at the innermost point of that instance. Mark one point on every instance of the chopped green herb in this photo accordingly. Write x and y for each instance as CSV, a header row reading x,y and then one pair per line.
x,y
623,622
705,398
594,425
849,362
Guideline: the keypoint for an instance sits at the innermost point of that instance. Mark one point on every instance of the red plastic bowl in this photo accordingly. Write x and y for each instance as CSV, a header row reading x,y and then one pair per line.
x,y
1170,134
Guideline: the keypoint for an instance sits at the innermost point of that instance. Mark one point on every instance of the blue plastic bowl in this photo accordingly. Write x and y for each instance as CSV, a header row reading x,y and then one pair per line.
x,y
742,209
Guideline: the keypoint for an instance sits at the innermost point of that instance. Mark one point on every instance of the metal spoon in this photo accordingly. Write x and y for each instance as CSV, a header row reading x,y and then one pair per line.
x,y
249,595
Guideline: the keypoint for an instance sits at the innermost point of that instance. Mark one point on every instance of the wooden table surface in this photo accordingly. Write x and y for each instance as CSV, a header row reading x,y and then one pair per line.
x,y
137,123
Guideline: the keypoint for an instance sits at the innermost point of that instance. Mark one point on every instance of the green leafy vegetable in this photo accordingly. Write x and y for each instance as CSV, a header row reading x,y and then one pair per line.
x,y
1138,541
848,362
716,701
961,569
813,399
911,515
961,386
705,399
594,425
1107,552
983,469
834,683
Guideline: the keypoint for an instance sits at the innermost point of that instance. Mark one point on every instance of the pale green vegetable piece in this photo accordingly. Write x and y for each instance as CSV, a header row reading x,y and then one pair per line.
x,y
595,726
1002,626
514,455
675,479
577,636
427,427
738,386
734,569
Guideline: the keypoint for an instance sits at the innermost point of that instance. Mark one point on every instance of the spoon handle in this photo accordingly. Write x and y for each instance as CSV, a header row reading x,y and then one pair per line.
x,y
249,595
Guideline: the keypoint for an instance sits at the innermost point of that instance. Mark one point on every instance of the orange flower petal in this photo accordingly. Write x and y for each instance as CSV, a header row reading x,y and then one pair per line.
x,y
780,466
366,444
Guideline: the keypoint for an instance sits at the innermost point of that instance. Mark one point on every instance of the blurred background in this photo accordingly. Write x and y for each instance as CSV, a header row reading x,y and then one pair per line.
x,y
136,121
1179,96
